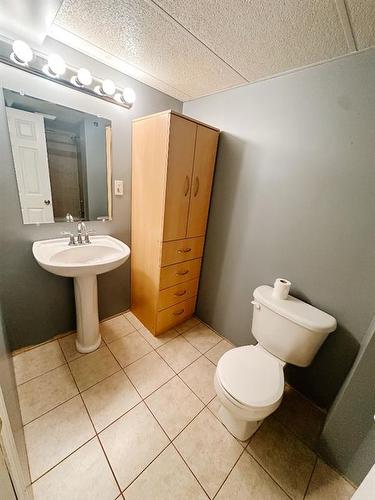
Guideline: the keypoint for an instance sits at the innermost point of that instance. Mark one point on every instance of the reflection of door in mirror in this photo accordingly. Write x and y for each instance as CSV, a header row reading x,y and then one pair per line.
x,y
28,139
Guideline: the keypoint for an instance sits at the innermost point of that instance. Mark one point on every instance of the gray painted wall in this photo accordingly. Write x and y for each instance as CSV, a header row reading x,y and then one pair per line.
x,y
294,197
348,437
38,305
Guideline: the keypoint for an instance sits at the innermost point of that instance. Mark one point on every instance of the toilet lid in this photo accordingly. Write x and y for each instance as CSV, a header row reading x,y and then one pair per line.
x,y
251,376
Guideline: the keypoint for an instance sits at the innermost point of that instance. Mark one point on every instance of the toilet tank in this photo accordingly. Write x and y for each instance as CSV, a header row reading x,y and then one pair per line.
x,y
289,329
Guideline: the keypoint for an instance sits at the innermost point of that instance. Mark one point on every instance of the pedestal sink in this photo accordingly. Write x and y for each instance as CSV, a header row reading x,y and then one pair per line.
x,y
83,263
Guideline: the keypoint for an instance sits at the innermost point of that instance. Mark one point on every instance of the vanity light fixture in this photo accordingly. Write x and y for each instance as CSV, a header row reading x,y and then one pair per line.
x,y
82,79
55,66
107,88
127,97
22,54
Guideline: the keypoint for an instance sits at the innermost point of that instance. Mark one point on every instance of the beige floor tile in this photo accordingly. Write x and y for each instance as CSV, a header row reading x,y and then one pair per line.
x,y
216,352
202,337
130,348
199,376
132,442
68,347
209,450
115,328
149,373
93,367
53,436
186,325
133,320
327,484
248,481
84,475
174,406
41,394
284,456
31,364
109,399
214,406
160,339
167,478
178,353
301,416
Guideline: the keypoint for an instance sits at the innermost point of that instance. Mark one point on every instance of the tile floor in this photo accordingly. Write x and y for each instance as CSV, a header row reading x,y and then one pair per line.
x,y
137,419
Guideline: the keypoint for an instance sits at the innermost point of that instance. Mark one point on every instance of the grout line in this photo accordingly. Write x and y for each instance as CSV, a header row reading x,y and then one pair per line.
x,y
41,375
311,475
229,473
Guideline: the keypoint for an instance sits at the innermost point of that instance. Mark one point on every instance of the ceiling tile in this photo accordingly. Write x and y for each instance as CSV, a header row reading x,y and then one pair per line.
x,y
140,34
362,19
260,38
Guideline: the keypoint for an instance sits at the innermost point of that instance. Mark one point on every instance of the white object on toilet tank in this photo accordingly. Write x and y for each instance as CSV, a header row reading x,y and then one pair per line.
x,y
281,289
289,329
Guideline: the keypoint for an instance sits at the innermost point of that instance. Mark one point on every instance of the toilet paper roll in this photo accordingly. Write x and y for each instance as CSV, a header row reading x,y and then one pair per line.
x,y
281,289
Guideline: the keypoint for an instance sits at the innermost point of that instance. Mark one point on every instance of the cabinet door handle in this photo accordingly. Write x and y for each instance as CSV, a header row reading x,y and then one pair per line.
x,y
178,313
184,250
187,185
196,186
180,294
182,273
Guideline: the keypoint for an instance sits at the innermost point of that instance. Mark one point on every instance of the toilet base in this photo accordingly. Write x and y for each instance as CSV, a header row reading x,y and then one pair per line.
x,y
240,429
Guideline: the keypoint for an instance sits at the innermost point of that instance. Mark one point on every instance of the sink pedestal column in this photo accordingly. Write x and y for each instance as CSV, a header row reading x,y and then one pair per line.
x,y
86,295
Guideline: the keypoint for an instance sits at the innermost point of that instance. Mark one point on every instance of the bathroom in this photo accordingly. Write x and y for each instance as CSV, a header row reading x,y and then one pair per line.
x,y
231,141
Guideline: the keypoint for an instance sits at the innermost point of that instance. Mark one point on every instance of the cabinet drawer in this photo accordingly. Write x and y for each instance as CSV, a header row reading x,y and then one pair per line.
x,y
178,273
174,315
181,250
175,294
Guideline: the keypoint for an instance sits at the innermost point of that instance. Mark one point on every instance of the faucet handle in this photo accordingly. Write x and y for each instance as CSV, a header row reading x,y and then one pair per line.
x,y
69,217
87,235
103,218
72,240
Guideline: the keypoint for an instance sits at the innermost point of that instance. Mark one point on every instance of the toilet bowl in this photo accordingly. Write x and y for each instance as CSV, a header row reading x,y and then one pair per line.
x,y
249,380
249,383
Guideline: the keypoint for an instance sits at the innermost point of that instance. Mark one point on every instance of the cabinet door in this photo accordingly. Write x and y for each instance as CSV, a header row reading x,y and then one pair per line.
x,y
180,166
204,164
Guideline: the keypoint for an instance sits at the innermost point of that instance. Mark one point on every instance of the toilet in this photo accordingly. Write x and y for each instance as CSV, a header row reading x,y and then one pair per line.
x,y
249,380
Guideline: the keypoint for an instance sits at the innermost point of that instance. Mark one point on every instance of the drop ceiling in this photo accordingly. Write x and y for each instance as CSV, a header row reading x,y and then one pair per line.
x,y
191,48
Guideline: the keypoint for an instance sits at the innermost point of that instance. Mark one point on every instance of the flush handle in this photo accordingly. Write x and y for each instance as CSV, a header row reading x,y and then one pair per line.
x,y
255,304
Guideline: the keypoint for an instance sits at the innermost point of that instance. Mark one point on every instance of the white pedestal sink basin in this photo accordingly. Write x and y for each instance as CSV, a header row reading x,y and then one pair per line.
x,y
83,262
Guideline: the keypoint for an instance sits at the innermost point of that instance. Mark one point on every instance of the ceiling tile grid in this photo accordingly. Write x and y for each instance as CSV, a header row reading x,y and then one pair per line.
x,y
362,19
141,34
190,48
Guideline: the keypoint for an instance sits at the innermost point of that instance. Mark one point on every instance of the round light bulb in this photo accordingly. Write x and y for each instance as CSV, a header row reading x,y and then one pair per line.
x,y
56,65
128,95
84,77
22,54
109,88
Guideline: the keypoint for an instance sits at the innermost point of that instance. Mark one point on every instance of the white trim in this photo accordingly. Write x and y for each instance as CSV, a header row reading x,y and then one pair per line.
x,y
8,445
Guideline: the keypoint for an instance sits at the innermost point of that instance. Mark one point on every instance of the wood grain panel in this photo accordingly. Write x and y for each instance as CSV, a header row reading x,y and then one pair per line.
x,y
180,168
181,250
204,164
178,273
178,293
174,315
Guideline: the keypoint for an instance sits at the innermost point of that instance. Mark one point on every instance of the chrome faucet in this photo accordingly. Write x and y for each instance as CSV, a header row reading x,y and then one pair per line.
x,y
81,228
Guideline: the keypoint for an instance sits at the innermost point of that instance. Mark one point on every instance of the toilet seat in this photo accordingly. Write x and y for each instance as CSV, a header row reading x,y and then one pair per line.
x,y
251,377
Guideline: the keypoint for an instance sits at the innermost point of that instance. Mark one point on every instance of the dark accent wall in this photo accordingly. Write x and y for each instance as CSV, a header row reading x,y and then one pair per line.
x,y
294,197
36,304
348,437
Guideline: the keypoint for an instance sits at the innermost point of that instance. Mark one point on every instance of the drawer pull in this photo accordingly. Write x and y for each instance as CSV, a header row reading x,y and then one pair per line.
x,y
182,273
196,189
184,250
180,294
178,313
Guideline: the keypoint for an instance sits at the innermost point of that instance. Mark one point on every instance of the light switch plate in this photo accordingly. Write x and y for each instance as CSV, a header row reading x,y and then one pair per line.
x,y
119,188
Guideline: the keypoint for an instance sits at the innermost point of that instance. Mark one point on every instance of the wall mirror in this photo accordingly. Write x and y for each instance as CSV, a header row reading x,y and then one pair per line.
x,y
62,160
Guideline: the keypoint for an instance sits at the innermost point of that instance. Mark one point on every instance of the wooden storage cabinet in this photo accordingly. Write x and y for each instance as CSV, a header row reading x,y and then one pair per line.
x,y
173,159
